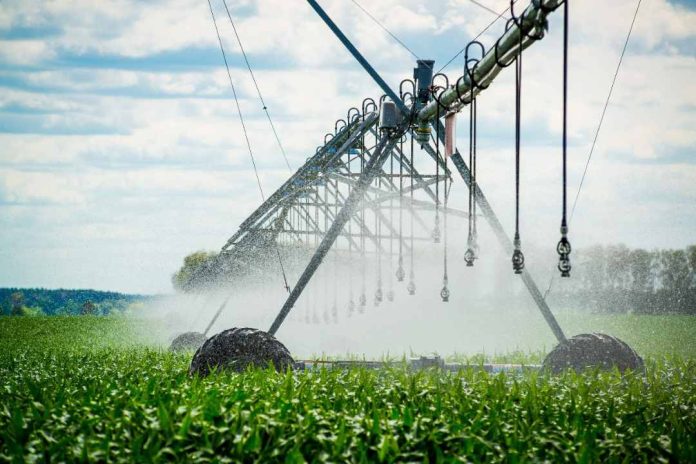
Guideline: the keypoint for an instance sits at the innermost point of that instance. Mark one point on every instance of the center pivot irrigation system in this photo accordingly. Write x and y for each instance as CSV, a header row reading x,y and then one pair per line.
x,y
361,190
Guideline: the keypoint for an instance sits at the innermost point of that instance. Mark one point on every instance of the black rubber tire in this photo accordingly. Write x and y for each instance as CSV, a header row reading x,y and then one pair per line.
x,y
238,348
187,341
593,350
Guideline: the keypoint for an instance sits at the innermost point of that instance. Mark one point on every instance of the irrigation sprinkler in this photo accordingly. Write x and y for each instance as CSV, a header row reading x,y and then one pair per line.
x,y
355,169
239,348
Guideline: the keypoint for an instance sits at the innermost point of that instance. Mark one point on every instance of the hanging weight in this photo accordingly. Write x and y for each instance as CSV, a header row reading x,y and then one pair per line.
x,y
469,257
436,230
563,248
378,295
400,273
445,294
517,261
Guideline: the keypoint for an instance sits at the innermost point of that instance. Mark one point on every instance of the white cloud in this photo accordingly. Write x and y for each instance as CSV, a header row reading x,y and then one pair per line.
x,y
170,173
23,52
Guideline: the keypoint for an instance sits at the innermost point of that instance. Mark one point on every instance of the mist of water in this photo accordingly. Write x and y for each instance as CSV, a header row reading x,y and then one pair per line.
x,y
489,310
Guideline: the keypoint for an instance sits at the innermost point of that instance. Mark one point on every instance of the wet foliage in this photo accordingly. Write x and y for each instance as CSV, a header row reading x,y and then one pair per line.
x,y
66,399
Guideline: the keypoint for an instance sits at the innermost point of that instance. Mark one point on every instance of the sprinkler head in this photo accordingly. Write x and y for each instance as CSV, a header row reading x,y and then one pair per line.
x,y
517,261
436,233
400,274
379,296
411,287
564,266
563,248
390,295
469,257
445,294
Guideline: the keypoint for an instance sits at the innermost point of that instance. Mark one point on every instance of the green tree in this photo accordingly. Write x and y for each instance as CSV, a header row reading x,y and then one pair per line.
x,y
33,311
676,279
618,277
17,299
195,268
88,308
642,280
594,277
691,258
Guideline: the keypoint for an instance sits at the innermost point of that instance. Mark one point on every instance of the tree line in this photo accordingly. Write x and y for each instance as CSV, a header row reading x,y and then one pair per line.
x,y
40,301
617,279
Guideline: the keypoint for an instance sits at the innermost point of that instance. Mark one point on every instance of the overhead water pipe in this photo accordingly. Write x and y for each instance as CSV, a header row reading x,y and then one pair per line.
x,y
533,24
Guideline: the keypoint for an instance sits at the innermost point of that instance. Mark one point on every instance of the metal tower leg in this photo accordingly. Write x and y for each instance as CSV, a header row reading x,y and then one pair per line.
x,y
507,246
371,169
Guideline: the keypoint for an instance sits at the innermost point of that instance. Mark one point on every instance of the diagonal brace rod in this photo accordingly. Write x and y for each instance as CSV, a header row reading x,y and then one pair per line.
x,y
504,240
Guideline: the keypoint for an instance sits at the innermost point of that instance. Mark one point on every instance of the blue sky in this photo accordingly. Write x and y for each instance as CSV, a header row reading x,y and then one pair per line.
x,y
121,152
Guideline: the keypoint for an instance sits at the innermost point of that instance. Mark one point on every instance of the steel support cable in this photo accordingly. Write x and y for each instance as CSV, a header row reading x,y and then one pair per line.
x,y
239,110
604,110
483,31
599,127
246,135
487,8
256,85
384,28
532,20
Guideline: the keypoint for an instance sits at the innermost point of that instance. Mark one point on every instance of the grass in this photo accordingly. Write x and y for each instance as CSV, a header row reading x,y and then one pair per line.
x,y
87,389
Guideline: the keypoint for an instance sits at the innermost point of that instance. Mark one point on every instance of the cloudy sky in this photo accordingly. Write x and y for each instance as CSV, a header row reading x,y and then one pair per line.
x,y
121,151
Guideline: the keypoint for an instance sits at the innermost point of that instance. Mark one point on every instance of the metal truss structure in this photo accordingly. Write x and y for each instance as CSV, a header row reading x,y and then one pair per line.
x,y
309,201
351,195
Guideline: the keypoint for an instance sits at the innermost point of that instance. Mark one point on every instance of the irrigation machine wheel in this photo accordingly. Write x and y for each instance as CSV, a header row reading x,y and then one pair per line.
x,y
187,341
593,350
238,348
